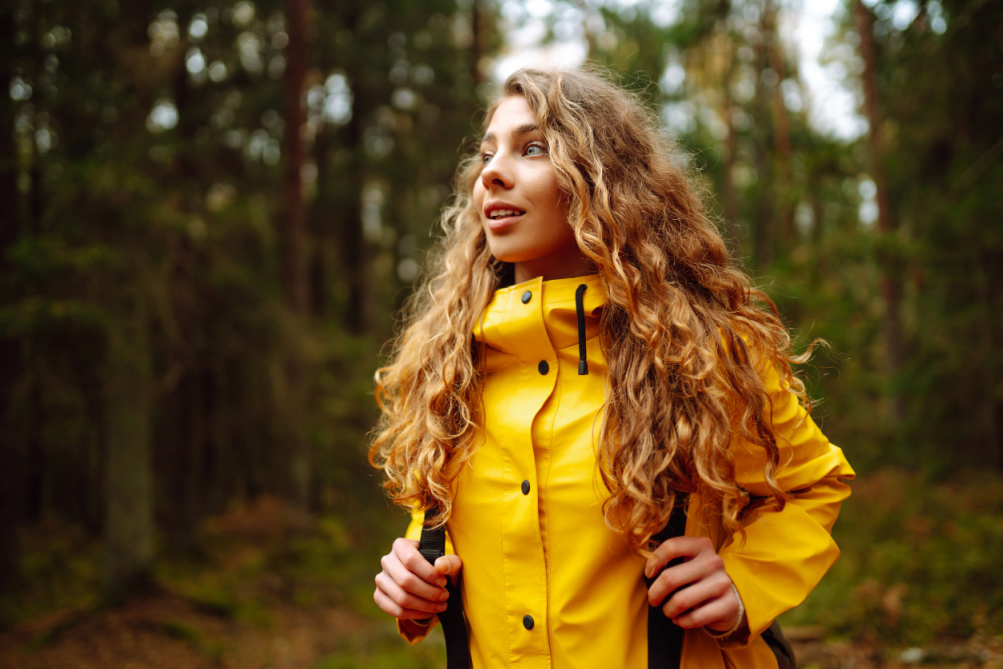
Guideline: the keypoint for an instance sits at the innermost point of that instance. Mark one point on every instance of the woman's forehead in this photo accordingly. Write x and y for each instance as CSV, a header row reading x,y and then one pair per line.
x,y
511,117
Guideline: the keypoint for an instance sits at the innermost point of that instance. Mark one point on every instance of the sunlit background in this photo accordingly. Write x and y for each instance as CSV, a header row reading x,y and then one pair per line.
x,y
212,211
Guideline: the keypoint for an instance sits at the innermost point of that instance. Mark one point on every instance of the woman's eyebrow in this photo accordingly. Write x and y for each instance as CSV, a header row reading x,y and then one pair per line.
x,y
521,130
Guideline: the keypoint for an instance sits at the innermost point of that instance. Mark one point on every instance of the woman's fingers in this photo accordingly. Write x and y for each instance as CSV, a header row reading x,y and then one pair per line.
x,y
696,595
406,551
701,562
677,547
718,614
409,587
449,565
411,581
390,606
697,592
402,604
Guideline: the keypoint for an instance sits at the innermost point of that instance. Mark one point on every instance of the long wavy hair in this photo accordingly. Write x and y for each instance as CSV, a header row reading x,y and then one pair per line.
x,y
683,329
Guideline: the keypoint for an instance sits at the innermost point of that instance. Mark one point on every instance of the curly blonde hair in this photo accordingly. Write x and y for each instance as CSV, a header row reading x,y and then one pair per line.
x,y
683,328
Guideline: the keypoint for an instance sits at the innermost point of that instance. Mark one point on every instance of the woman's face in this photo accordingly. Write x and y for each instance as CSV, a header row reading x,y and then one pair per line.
x,y
524,214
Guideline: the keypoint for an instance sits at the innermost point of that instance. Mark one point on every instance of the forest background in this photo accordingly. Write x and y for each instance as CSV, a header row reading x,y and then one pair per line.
x,y
211,211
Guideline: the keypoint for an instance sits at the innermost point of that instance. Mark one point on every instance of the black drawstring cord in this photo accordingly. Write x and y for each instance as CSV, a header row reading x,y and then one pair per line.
x,y
583,365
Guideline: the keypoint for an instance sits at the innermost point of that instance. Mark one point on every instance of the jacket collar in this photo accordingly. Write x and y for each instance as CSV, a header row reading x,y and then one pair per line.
x,y
531,327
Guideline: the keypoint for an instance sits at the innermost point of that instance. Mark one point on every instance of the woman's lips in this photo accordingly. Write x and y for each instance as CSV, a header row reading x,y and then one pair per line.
x,y
503,223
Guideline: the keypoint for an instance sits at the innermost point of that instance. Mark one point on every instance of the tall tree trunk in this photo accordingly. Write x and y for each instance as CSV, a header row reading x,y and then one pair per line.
x,y
354,249
183,434
294,230
781,127
38,483
476,46
763,223
891,269
729,191
129,525
294,216
11,466
127,371
321,232
179,464
992,304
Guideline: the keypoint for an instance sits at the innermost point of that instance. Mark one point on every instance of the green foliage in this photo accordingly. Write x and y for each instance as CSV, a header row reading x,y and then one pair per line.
x,y
919,563
946,199
60,570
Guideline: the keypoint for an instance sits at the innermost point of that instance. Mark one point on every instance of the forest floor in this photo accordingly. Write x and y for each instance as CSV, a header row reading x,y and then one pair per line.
x,y
270,590
168,632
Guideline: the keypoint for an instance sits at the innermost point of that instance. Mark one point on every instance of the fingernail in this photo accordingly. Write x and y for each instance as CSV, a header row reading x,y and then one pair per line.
x,y
441,582
441,607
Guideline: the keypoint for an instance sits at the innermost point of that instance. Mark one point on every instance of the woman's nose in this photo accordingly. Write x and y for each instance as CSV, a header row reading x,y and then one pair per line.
x,y
496,173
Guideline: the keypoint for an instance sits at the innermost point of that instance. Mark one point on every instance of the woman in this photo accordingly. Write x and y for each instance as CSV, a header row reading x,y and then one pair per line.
x,y
582,360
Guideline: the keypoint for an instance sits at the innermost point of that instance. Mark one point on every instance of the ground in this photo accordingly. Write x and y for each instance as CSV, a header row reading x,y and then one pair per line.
x,y
165,631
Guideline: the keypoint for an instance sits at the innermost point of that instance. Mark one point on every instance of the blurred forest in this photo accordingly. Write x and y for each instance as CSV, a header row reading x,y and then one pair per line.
x,y
211,211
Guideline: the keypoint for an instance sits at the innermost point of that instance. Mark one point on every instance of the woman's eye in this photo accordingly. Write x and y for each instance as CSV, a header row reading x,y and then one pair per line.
x,y
485,158
536,150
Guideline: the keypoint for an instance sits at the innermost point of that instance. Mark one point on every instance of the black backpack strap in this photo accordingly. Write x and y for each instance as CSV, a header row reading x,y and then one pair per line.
x,y
454,626
665,639
781,648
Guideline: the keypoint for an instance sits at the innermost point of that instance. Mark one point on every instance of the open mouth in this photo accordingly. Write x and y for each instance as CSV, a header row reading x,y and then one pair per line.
x,y
504,213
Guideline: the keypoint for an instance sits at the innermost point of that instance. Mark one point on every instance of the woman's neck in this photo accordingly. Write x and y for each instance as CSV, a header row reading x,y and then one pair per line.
x,y
577,265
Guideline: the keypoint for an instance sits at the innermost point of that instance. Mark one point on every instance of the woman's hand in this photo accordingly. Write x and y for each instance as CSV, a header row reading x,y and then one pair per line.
x,y
697,592
408,587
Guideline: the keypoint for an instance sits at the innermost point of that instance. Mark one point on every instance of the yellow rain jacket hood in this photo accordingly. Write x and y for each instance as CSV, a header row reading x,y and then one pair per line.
x,y
545,583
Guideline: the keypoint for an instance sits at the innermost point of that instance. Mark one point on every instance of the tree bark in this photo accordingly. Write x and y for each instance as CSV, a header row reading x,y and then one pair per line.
x,y
764,224
781,127
183,437
11,466
321,228
179,468
729,193
891,269
294,231
476,46
129,525
354,249
294,219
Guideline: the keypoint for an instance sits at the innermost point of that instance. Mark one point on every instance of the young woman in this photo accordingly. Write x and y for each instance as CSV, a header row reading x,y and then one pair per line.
x,y
583,359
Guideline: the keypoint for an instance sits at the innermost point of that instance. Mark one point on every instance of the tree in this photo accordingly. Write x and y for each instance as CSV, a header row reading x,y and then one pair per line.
x,y
293,223
891,276
11,465
129,493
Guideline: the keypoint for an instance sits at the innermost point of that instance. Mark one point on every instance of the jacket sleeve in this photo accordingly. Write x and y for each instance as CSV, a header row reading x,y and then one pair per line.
x,y
782,555
414,532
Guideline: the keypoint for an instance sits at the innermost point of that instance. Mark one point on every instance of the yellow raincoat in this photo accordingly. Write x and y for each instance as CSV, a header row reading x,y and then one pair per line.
x,y
546,584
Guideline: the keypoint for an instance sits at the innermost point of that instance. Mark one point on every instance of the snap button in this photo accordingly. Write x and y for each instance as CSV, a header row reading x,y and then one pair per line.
x,y
525,487
527,622
527,296
543,367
